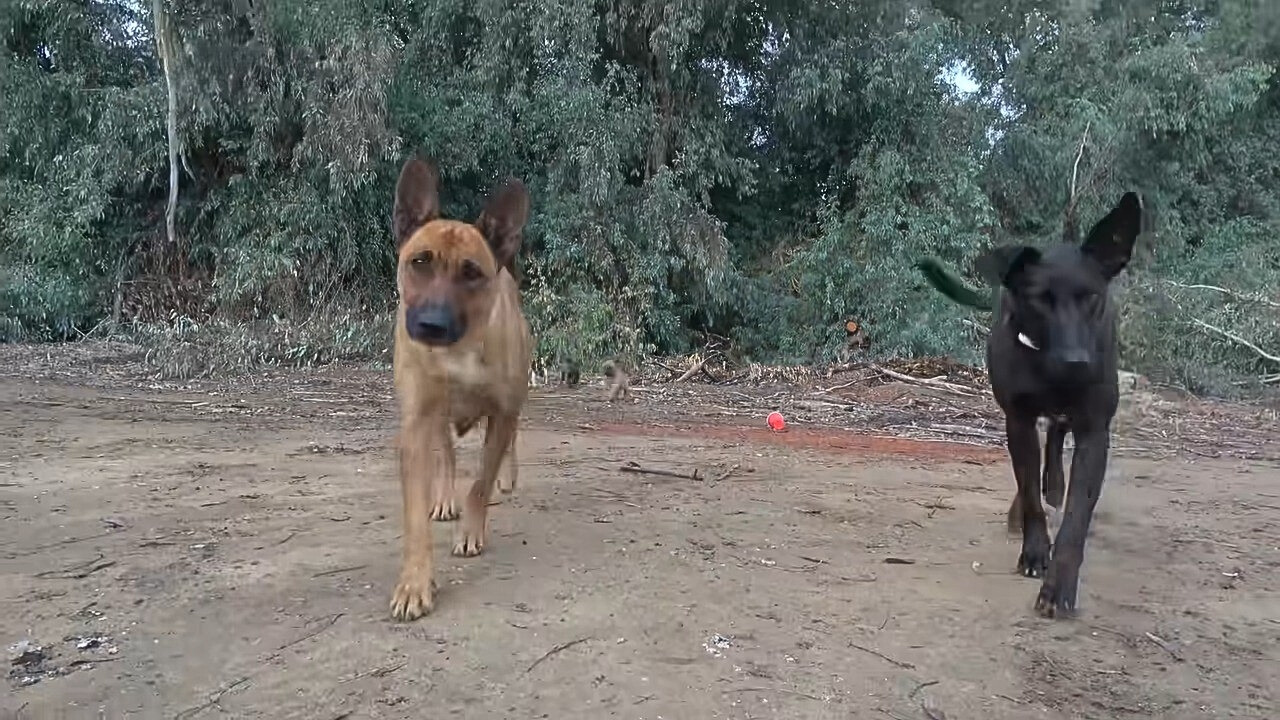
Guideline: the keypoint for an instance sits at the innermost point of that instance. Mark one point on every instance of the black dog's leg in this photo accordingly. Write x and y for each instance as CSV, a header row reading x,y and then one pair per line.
x,y
1088,472
1024,452
1054,480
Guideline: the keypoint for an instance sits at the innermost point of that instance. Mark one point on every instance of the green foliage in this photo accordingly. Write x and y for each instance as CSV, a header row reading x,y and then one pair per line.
x,y
1180,108
761,170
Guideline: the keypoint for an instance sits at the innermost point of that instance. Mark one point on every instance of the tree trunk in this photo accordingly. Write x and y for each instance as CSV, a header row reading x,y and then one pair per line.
x,y
164,46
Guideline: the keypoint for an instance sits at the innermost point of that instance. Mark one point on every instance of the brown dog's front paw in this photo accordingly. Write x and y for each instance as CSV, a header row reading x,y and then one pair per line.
x,y
469,542
444,510
414,595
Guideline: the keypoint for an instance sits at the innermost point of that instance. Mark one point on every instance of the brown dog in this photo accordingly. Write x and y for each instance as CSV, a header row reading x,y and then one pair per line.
x,y
618,380
462,353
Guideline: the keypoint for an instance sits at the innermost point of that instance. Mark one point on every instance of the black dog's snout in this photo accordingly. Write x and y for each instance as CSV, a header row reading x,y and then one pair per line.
x,y
1076,358
434,324
1073,364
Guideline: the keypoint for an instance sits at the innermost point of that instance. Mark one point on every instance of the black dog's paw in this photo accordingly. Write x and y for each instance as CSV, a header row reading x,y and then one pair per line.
x,y
1056,599
1033,561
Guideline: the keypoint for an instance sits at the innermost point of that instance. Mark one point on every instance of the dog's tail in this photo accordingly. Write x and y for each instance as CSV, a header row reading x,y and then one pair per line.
x,y
949,284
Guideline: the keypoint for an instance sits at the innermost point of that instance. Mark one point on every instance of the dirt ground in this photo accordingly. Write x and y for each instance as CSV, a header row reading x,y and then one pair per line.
x,y
227,550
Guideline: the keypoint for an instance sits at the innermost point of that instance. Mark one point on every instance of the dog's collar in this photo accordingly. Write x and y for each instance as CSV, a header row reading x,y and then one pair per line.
x,y
1023,339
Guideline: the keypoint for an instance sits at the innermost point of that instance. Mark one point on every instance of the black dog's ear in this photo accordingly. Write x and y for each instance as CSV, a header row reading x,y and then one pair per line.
x,y
1004,264
417,198
503,219
1111,241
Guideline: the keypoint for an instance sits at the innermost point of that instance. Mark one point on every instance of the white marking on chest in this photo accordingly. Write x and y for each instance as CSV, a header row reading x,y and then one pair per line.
x,y
1022,338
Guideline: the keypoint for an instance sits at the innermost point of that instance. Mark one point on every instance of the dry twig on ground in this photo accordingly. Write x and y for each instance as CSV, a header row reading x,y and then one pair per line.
x,y
633,467
927,382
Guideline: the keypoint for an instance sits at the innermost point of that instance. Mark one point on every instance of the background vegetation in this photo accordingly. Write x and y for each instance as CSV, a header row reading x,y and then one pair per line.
x,y
755,169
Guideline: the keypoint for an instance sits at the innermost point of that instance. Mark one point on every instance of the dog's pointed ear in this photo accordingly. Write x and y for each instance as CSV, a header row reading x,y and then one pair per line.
x,y
417,198
503,219
1111,241
1005,264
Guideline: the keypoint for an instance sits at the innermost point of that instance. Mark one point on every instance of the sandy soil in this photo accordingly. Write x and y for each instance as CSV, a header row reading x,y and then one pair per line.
x,y
228,550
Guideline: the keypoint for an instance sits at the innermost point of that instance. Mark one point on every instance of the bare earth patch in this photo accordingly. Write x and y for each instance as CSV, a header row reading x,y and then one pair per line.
x,y
227,549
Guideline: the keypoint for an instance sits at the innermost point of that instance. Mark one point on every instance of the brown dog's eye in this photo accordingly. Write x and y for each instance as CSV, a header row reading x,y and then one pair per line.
x,y
471,272
422,258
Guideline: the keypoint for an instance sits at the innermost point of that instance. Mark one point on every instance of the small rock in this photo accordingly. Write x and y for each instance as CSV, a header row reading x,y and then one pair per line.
x,y
26,653
90,643
715,644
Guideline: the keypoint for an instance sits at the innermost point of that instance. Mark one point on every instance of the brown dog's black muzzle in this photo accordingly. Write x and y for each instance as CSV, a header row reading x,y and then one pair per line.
x,y
434,323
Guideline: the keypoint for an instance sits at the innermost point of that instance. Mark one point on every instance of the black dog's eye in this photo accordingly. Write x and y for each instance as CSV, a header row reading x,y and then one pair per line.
x,y
471,271
422,258
1046,298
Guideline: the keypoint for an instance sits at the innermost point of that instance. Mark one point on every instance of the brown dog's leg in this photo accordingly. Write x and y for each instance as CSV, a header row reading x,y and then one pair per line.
x,y
413,595
470,538
1024,452
507,483
444,495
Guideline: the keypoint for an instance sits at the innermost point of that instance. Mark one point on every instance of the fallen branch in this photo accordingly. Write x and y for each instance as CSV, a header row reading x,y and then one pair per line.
x,y
938,384
982,329
674,371
1230,293
339,571
882,656
557,649
1232,336
324,626
784,691
212,701
79,571
696,367
633,467
911,695
1164,645
91,661
825,391
383,671
954,430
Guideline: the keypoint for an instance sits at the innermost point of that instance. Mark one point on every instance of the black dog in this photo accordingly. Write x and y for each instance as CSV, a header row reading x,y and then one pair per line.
x,y
570,372
1051,353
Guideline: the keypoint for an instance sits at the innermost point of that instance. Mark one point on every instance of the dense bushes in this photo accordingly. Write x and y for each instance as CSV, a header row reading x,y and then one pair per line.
x,y
757,170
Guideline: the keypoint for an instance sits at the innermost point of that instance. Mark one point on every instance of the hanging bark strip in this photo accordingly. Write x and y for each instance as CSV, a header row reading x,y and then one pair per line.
x,y
164,46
